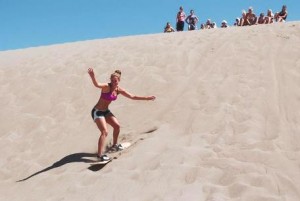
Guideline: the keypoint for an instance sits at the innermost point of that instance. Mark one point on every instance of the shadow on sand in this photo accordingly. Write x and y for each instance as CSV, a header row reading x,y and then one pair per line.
x,y
97,167
72,158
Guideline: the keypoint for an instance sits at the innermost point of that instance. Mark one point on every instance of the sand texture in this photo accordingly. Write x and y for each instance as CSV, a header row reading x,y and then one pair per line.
x,y
225,125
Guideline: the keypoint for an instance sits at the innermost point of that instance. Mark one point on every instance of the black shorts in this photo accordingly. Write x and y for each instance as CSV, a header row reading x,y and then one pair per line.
x,y
180,26
100,114
192,27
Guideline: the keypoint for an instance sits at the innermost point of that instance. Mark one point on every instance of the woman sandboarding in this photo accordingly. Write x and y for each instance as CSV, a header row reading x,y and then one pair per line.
x,y
103,116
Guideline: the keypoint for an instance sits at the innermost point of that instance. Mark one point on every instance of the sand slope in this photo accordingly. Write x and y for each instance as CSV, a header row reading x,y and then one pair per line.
x,y
225,125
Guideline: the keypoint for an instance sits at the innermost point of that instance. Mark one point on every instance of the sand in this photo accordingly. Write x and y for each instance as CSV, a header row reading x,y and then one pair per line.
x,y
225,125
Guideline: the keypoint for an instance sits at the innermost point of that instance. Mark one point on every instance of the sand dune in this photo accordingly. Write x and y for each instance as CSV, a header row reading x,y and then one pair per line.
x,y
225,125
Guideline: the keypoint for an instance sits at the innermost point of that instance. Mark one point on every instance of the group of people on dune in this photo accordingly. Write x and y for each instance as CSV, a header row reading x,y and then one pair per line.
x,y
247,19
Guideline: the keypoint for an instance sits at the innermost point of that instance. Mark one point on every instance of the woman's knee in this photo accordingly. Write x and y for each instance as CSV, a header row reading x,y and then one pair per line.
x,y
116,126
104,133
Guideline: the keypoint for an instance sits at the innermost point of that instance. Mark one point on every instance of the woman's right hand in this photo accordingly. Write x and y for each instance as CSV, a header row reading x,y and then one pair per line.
x,y
91,72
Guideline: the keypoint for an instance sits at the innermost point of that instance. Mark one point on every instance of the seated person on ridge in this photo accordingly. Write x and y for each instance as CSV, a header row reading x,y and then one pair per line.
x,y
192,21
202,26
168,28
251,17
243,20
208,24
261,19
282,15
237,22
214,25
270,17
224,24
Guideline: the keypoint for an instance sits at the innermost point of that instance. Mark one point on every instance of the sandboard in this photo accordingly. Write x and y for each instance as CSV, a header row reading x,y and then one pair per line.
x,y
113,154
125,145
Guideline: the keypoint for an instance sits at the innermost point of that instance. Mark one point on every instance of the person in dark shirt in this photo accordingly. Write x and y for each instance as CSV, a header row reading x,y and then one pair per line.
x,y
282,15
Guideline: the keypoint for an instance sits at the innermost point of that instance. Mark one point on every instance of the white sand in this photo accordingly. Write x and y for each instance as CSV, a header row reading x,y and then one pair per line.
x,y
225,124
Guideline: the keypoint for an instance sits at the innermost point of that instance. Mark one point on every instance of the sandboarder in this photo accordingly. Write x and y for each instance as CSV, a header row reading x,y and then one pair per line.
x,y
103,116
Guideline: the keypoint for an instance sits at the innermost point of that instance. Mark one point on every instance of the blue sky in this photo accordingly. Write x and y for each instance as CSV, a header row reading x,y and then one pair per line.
x,y
31,23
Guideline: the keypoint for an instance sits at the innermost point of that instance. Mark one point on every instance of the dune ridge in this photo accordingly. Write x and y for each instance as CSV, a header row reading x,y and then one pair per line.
x,y
224,127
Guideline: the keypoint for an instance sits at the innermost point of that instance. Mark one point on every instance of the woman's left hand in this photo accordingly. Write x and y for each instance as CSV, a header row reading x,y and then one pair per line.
x,y
151,98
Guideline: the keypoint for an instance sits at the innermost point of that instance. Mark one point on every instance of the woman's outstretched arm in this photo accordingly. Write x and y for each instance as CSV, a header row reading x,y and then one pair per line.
x,y
134,97
92,75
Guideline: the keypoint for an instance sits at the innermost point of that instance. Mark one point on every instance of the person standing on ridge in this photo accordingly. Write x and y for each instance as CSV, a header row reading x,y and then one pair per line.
x,y
192,21
180,19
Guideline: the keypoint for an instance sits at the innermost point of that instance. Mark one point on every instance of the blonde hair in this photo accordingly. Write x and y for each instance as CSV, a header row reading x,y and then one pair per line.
x,y
117,73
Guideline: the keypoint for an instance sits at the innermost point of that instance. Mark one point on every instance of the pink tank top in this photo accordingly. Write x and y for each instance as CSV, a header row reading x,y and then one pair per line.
x,y
109,96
